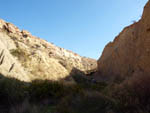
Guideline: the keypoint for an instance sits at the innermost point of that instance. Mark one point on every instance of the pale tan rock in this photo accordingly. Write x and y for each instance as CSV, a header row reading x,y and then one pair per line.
x,y
129,52
33,58
25,33
2,24
8,61
12,29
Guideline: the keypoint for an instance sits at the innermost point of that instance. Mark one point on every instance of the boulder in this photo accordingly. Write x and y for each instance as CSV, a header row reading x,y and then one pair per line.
x,y
25,33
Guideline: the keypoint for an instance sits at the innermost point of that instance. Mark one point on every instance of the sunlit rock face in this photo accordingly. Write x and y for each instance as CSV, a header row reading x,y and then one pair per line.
x,y
27,57
129,53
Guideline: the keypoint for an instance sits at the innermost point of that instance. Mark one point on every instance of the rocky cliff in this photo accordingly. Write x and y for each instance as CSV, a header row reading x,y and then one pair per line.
x,y
27,57
129,53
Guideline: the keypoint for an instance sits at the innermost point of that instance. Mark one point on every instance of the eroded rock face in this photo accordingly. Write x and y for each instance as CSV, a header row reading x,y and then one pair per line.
x,y
129,53
27,57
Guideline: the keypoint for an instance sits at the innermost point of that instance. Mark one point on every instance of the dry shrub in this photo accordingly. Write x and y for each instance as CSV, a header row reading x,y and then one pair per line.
x,y
87,102
133,95
24,107
46,89
21,54
28,107
11,90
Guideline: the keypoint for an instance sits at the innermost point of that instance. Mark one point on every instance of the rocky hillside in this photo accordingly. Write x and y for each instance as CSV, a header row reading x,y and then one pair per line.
x,y
129,53
27,57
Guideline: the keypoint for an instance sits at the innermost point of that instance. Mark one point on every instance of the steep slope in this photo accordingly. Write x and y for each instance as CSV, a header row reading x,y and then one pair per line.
x,y
27,57
129,53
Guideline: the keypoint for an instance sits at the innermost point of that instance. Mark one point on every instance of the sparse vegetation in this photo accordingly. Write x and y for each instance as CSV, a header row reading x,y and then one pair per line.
x,y
129,96
20,97
22,55
125,91
86,102
133,95
89,83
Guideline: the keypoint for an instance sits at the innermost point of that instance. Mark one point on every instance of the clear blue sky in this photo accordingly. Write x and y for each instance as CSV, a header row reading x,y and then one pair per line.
x,y
83,26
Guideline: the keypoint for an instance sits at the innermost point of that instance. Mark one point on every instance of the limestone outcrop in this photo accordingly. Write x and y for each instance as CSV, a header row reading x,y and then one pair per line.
x,y
27,57
129,53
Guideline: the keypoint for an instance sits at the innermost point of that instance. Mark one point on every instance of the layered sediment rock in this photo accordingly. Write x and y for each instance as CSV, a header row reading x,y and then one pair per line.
x,y
129,53
27,57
